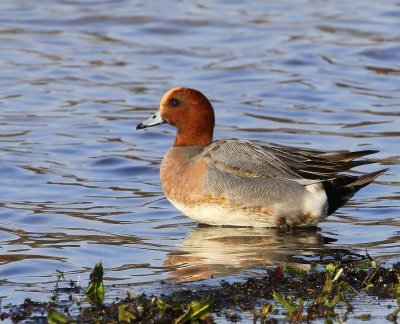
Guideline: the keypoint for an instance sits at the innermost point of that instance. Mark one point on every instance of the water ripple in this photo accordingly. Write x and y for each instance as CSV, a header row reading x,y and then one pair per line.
x,y
78,184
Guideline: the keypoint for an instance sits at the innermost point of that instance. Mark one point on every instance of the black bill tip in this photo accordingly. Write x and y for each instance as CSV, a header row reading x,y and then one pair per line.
x,y
140,126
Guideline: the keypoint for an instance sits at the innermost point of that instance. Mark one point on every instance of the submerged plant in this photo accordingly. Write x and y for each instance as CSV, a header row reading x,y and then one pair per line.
x,y
196,310
265,311
55,317
393,316
95,291
294,310
60,276
124,314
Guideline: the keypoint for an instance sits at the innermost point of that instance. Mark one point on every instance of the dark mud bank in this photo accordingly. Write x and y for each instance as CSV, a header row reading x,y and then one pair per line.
x,y
326,292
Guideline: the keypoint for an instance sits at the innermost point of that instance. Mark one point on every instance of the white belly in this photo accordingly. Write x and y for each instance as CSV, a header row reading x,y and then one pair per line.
x,y
309,213
213,214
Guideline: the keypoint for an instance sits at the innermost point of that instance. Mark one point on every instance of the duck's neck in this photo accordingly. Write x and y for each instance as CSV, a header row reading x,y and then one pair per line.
x,y
191,138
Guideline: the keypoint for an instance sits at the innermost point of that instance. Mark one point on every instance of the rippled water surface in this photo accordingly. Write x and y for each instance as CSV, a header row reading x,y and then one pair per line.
x,y
79,184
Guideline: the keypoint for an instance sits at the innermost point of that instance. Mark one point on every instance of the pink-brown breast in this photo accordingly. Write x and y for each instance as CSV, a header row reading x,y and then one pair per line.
x,y
182,176
183,179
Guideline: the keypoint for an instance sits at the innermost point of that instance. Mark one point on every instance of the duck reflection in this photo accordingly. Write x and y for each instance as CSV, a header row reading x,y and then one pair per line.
x,y
220,251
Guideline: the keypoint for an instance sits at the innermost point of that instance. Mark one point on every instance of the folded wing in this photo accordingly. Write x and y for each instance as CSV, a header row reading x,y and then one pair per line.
x,y
247,158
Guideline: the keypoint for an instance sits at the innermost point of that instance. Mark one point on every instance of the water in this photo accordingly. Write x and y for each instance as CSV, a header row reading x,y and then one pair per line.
x,y
80,185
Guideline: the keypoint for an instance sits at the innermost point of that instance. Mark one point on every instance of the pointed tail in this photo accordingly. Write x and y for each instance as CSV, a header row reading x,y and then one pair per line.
x,y
339,190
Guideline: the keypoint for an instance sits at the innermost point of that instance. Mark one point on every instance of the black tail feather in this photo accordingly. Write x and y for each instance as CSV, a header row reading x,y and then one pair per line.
x,y
325,165
339,190
349,156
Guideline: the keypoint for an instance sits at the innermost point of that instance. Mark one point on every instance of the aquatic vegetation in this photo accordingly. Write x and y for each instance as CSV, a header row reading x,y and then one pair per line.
x,y
283,293
55,317
197,310
265,311
294,310
393,316
124,314
95,292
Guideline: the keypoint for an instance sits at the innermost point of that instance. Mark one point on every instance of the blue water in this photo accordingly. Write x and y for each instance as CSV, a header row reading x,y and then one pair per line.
x,y
80,185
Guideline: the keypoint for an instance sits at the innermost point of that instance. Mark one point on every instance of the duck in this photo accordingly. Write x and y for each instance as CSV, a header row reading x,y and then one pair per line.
x,y
235,182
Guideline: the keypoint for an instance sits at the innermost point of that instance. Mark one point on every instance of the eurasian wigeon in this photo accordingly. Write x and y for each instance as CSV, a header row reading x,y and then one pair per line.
x,y
240,183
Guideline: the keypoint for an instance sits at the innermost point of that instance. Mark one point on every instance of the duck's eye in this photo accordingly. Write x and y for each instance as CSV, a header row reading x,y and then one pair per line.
x,y
175,102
